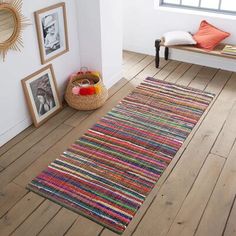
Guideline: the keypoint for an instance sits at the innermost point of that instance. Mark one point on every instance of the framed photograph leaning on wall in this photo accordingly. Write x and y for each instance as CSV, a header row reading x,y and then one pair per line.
x,y
42,95
52,32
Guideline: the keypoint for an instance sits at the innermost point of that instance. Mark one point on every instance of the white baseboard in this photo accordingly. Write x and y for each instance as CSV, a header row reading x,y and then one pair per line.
x,y
13,131
111,81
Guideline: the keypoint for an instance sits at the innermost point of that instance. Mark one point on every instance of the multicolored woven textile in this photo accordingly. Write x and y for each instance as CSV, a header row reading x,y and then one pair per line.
x,y
108,172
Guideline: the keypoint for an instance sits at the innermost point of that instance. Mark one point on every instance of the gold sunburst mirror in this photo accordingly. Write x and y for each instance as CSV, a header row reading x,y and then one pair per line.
x,y
12,22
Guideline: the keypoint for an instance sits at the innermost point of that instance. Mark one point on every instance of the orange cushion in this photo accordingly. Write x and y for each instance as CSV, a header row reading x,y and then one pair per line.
x,y
208,36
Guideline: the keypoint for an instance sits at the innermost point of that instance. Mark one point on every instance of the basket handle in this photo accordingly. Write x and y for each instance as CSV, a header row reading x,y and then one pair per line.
x,y
83,70
84,83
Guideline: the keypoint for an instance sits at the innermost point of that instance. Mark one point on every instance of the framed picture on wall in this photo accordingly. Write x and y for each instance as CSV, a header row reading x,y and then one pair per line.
x,y
52,32
42,95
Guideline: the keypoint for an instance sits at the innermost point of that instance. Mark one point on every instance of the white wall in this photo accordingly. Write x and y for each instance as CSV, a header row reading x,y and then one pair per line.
x,y
89,33
14,115
112,40
143,24
101,39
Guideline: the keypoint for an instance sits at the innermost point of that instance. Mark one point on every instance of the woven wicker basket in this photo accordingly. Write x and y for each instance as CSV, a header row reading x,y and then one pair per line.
x,y
86,102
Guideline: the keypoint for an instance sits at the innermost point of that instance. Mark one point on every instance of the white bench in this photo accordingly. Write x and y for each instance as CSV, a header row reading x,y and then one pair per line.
x,y
215,52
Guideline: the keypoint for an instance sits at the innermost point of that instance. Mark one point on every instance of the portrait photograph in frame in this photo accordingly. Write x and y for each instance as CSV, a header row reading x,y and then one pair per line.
x,y
51,24
41,95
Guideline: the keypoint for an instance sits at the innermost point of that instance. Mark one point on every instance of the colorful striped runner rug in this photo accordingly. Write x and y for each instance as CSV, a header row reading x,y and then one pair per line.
x,y
108,172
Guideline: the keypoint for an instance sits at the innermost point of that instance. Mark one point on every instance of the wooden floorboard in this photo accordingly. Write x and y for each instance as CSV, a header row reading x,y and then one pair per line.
x,y
189,75
132,61
215,86
178,72
82,125
9,195
84,227
203,78
59,224
38,219
197,178
135,70
227,136
16,139
166,71
32,139
32,154
218,209
187,219
230,227
19,212
185,172
151,70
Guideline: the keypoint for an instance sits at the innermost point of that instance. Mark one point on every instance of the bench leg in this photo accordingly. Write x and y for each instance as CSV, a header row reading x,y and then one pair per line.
x,y
166,53
157,45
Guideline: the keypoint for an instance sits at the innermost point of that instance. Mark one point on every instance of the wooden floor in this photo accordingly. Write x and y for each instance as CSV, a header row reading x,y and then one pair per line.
x,y
194,196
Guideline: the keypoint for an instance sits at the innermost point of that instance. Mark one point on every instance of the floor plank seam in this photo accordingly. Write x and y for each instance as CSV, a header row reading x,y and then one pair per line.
x,y
171,71
35,143
34,129
161,69
65,122
203,212
209,153
217,155
54,144
190,189
200,122
128,81
54,215
222,131
62,137
184,74
195,77
71,225
12,180
222,128
232,146
27,192
134,64
101,232
213,102
144,68
213,76
24,187
16,142
27,217
226,223
136,73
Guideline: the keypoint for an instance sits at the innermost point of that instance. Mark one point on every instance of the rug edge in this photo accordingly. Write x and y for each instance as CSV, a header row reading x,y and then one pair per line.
x,y
28,187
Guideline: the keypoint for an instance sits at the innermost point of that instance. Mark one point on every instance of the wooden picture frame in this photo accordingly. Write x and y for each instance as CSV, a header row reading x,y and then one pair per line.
x,y
41,94
51,25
